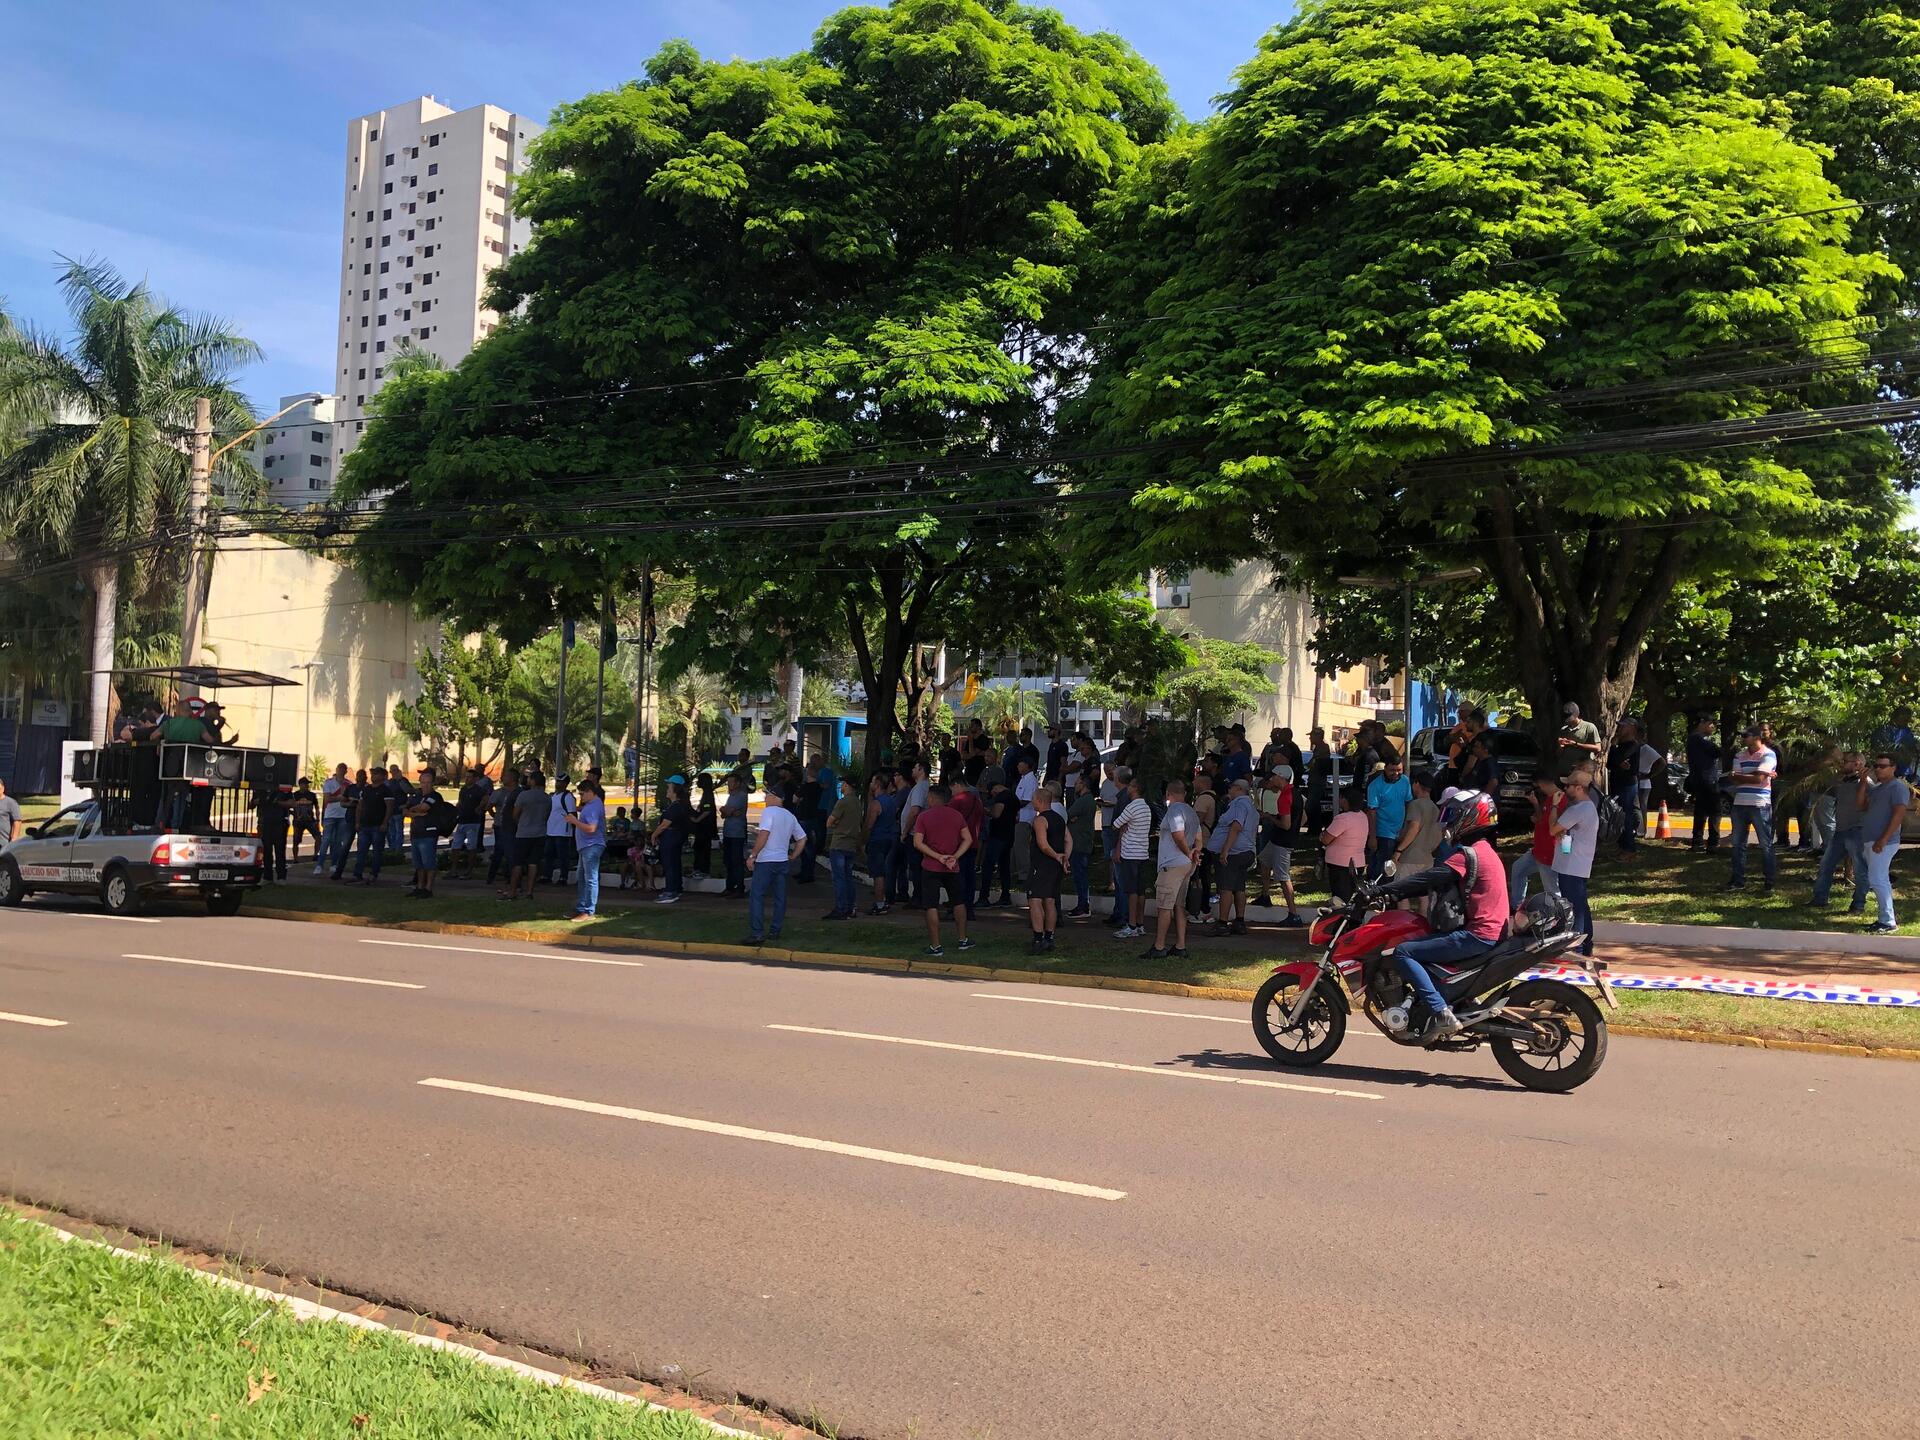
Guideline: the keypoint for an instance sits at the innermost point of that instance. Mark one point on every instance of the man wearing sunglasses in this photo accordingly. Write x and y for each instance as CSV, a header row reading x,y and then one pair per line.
x,y
1883,805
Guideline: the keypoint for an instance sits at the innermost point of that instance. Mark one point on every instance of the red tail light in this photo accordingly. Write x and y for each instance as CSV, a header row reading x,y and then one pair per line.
x,y
163,853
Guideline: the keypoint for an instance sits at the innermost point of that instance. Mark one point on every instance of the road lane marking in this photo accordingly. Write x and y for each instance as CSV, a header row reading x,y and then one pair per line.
x,y
96,915
1139,1010
276,970
1177,1074
31,1020
777,1137
523,954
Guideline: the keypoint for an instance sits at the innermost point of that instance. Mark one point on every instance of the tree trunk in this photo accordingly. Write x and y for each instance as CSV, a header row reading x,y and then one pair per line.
x,y
104,580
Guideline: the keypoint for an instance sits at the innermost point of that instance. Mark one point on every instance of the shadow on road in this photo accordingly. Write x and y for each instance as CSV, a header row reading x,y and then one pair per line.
x,y
1239,1060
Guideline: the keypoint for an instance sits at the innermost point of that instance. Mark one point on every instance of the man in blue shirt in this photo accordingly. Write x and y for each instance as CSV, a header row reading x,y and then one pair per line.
x,y
1388,795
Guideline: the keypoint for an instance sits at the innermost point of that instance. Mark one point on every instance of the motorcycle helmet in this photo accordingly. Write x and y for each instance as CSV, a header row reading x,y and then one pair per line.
x,y
1469,815
1546,914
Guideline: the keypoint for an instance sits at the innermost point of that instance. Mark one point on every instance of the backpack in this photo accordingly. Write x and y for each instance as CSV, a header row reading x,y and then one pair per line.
x,y
1447,911
1613,820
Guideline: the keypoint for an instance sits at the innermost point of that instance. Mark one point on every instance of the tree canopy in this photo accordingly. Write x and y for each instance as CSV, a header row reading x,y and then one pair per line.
x,y
1494,281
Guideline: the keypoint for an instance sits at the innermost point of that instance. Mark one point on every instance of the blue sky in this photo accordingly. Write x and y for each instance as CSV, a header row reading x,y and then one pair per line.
x,y
202,145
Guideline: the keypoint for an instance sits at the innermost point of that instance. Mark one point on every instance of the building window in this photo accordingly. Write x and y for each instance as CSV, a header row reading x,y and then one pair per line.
x,y
496,247
313,459
425,306
432,141
425,332
384,214
499,162
358,426
407,289
389,159
428,252
430,222
406,314
411,207
412,181
383,266
319,437
363,322
414,153
409,262
378,371
314,483
363,373
433,169
387,189
427,279
367,269
383,321
379,347
369,215
432,195
359,399
363,347
366,294
383,293
367,244
385,241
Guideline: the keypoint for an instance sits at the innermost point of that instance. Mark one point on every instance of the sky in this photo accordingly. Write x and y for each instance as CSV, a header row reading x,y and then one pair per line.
x,y
207,153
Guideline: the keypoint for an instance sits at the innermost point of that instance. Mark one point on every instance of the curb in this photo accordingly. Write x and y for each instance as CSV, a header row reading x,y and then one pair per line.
x,y
836,961
1728,937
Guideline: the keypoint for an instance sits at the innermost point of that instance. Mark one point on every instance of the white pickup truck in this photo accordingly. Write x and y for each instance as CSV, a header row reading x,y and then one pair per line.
x,y
78,852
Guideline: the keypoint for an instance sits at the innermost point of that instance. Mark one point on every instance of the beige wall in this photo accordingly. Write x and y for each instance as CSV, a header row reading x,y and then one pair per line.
x,y
1244,606
275,608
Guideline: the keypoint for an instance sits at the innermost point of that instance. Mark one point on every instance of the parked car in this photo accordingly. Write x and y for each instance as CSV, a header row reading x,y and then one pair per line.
x,y
1516,760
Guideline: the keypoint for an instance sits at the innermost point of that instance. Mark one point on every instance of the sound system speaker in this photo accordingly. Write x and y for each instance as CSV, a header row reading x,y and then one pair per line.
x,y
203,764
270,768
86,767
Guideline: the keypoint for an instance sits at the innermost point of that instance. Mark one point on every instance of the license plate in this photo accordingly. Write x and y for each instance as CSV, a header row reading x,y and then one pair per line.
x,y
216,874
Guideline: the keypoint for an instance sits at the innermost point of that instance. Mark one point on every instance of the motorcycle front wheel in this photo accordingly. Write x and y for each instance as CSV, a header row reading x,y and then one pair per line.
x,y
1319,1033
1574,1044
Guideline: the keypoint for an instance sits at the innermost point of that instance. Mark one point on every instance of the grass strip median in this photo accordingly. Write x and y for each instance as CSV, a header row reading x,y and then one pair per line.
x,y
97,1344
1084,950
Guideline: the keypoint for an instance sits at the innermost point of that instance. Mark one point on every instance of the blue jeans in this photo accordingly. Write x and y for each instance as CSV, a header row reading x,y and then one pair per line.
x,y
373,847
586,898
1082,895
1759,819
1574,888
844,901
1629,798
559,857
1409,958
335,838
672,849
1379,852
816,842
1853,845
1880,878
769,877
397,832
1524,869
503,857
733,851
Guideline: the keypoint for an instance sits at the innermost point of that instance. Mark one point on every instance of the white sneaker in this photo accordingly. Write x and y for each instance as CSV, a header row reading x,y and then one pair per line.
x,y
319,869
667,900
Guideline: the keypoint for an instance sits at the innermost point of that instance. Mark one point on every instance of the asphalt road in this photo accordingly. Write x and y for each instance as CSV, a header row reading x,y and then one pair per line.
x,y
774,1193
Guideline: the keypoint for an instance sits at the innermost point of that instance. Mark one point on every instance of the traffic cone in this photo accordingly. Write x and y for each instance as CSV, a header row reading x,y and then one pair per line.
x,y
1663,827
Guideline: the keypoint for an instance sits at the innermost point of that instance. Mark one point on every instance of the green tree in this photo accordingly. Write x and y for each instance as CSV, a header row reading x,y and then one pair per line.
x,y
1225,679
810,318
96,476
1456,280
1001,708
693,706
463,688
532,693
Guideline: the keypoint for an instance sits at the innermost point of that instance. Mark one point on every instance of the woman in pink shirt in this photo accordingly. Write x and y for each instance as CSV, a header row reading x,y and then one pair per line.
x,y
1345,843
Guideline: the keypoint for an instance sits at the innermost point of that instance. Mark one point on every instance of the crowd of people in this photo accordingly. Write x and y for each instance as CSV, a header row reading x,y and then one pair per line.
x,y
984,819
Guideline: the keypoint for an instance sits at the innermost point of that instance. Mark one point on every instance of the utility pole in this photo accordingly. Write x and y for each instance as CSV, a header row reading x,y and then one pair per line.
x,y
560,702
199,496
600,683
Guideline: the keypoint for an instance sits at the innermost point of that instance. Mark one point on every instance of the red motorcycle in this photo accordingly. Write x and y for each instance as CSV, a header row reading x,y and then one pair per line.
x,y
1546,1034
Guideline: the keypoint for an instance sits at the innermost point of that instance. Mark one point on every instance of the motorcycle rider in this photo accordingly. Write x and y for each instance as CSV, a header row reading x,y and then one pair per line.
x,y
1469,820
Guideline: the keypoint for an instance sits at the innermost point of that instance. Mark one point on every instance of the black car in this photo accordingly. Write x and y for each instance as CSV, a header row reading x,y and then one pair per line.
x,y
1516,759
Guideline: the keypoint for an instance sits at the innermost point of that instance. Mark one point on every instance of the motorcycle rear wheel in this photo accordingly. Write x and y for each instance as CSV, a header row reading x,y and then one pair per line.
x,y
1583,1037
1316,1037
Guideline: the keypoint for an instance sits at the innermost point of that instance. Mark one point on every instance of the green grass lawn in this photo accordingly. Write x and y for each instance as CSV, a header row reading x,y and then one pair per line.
x,y
94,1345
35,808
1671,885
1084,949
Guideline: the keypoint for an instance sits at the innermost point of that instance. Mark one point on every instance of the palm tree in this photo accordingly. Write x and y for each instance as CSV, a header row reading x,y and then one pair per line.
x,y
692,700
96,483
1004,708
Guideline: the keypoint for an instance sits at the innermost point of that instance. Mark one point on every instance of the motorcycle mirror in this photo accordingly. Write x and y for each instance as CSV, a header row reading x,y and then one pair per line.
x,y
1390,869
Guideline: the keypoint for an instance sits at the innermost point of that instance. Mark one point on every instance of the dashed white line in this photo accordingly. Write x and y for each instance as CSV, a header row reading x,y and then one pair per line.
x,y
31,1020
1352,1031
518,954
1165,1072
99,915
275,970
776,1137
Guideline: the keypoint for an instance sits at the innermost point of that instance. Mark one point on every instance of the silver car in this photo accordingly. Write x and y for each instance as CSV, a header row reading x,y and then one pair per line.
x,y
76,852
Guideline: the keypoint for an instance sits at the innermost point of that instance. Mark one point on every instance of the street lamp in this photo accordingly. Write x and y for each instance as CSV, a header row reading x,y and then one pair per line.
x,y
306,690
1406,584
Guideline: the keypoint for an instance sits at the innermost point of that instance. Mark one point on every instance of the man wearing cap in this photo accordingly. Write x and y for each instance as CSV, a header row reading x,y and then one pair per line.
x,y
1754,768
1579,739
426,835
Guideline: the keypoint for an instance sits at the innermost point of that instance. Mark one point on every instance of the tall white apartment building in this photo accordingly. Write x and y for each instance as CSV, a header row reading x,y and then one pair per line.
x,y
295,453
426,219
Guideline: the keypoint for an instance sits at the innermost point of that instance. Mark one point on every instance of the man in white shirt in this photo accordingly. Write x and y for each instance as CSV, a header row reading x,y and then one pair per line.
x,y
777,843
1024,790
1134,825
334,836
1754,768
1179,852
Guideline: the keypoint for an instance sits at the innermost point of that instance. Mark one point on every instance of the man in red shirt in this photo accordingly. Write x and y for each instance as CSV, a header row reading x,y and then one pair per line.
x,y
941,836
1548,802
967,803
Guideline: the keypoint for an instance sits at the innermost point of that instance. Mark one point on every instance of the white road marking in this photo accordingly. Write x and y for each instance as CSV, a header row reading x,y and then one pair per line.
x,y
521,954
275,970
1161,1070
1352,1031
31,1020
777,1137
99,915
